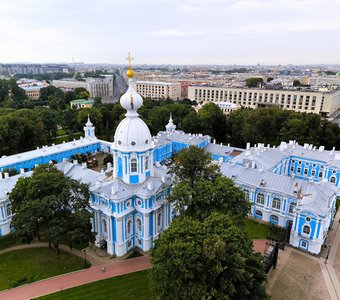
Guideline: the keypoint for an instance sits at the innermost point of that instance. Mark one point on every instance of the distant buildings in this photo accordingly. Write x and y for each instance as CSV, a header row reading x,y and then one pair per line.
x,y
32,92
323,103
11,69
97,87
157,90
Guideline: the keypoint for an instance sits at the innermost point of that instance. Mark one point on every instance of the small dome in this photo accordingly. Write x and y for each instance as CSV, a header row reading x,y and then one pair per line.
x,y
130,73
132,134
131,100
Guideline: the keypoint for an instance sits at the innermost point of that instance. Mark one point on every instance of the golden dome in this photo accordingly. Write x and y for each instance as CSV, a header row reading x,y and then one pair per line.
x,y
130,73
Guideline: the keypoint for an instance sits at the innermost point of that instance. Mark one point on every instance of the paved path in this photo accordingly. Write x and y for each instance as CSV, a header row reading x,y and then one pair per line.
x,y
327,265
77,278
92,260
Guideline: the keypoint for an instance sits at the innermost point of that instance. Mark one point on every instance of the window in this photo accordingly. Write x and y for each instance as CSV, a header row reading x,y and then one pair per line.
x,y
276,203
133,165
146,162
129,227
247,194
332,180
104,226
260,199
159,220
139,225
128,204
274,219
9,210
291,207
303,244
306,229
258,214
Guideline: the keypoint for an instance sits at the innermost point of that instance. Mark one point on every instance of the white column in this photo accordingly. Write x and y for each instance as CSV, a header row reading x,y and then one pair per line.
x,y
121,250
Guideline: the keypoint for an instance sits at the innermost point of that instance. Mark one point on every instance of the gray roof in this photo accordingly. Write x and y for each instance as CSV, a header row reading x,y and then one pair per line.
x,y
222,150
7,184
163,138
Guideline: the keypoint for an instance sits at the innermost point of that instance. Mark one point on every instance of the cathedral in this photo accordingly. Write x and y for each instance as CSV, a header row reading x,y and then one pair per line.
x,y
290,186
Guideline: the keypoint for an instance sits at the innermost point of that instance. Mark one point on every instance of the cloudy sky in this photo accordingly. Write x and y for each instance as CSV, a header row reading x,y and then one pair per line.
x,y
171,31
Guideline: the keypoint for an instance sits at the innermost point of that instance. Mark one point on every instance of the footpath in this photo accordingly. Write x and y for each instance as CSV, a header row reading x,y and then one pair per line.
x,y
69,280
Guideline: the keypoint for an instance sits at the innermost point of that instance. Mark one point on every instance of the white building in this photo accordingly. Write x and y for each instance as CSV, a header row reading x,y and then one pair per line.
x,y
323,103
158,90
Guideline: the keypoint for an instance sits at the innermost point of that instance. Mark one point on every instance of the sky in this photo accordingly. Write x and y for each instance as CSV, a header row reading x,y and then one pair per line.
x,y
171,31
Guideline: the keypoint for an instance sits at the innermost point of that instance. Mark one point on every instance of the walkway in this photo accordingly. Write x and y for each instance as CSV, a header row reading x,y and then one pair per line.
x,y
328,257
77,278
92,260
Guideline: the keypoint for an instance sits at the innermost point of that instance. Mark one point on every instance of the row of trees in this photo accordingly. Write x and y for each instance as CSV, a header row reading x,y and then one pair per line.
x,y
206,252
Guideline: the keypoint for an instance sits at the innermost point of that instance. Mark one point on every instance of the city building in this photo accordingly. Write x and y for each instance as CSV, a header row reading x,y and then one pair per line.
x,y
81,103
32,92
324,103
226,107
97,87
158,90
289,186
12,69
324,80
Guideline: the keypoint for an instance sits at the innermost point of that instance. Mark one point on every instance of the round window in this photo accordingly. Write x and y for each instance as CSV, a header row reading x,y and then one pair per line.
x,y
146,141
119,142
133,143
307,219
139,202
128,204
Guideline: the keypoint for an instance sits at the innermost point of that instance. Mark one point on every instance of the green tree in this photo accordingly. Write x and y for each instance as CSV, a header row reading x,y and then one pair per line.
x,y
81,93
213,121
58,202
209,259
296,82
254,81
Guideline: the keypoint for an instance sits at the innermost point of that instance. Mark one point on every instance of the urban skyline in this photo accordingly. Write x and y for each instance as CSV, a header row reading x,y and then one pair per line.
x,y
171,32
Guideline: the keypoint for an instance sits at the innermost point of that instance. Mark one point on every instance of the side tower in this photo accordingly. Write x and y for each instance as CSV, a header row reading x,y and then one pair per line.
x,y
89,129
132,146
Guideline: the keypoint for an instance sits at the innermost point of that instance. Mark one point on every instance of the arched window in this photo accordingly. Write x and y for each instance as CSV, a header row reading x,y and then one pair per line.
x,y
147,163
104,226
258,214
274,219
9,210
247,194
159,220
276,204
129,227
291,207
306,229
332,180
260,199
133,165
139,225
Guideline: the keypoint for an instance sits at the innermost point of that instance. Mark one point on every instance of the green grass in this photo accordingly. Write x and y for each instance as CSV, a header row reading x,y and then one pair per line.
x,y
125,287
8,241
257,230
29,265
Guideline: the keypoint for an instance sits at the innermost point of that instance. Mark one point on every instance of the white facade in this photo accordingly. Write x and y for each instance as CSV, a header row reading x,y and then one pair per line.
x,y
325,103
158,90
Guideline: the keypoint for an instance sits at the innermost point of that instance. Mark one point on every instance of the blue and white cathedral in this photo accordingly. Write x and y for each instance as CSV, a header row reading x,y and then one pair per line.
x,y
289,186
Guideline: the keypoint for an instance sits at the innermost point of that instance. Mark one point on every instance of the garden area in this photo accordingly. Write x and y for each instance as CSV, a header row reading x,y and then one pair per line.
x,y
258,231
131,286
28,265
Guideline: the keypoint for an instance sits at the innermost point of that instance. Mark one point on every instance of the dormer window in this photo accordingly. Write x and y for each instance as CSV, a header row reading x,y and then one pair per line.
x,y
133,165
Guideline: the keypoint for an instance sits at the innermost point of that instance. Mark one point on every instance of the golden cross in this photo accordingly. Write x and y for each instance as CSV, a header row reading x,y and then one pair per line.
x,y
129,59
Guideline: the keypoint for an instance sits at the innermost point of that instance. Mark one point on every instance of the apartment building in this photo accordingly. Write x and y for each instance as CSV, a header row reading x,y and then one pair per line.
x,y
321,102
157,90
97,87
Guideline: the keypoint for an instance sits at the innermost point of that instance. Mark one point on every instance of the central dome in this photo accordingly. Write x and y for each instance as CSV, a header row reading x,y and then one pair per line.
x,y
132,134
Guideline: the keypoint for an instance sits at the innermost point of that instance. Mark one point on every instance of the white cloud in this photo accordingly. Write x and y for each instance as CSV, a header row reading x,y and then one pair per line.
x,y
179,33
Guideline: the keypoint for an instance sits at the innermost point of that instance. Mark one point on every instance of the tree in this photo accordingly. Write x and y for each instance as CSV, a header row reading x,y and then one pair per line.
x,y
213,121
253,81
208,259
296,82
50,198
194,164
81,93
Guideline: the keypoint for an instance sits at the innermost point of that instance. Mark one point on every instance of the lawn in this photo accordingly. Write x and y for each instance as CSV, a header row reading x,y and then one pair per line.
x,y
28,265
337,204
257,230
130,286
